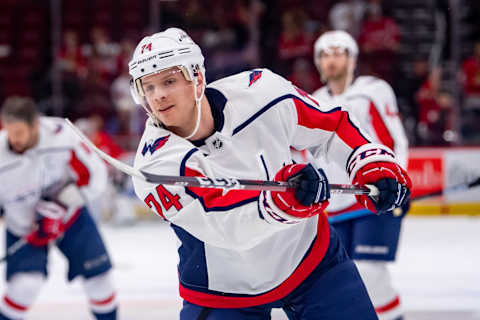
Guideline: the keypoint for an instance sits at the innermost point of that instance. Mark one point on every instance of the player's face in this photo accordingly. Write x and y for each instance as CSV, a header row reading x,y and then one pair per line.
x,y
21,136
333,64
171,98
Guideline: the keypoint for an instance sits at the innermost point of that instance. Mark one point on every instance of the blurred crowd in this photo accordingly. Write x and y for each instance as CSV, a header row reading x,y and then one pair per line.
x,y
238,35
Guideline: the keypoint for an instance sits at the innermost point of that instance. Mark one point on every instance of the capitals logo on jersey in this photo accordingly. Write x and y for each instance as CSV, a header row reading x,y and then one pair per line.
x,y
254,76
157,144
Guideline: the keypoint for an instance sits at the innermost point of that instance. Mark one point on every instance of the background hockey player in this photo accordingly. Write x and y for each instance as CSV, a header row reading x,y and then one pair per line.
x,y
47,176
370,240
243,252
117,205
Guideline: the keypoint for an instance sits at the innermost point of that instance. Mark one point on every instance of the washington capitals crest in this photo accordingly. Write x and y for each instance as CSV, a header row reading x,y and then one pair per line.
x,y
157,144
254,76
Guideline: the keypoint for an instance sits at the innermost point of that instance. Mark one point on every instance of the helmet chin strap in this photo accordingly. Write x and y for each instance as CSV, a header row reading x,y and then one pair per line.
x,y
198,104
151,115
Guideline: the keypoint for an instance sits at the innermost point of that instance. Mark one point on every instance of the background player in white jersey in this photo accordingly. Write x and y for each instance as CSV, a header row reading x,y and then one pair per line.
x,y
47,177
245,252
370,240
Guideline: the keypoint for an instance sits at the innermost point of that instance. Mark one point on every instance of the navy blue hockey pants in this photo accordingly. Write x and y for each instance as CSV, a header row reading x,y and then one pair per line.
x,y
334,291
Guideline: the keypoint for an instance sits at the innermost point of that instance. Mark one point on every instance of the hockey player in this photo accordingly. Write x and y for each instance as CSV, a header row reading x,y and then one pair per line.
x,y
370,240
47,176
242,252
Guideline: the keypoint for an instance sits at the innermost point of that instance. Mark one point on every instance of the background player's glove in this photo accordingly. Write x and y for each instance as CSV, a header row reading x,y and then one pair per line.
x,y
311,195
391,180
50,224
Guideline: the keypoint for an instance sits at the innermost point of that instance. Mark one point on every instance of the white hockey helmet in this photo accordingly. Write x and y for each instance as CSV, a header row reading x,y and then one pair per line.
x,y
161,51
336,39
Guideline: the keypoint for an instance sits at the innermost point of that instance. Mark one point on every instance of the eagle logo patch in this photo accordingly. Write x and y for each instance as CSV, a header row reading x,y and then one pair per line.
x,y
157,144
254,76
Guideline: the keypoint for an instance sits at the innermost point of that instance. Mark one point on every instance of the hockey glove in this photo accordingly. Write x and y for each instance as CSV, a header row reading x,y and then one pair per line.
x,y
391,180
50,223
311,194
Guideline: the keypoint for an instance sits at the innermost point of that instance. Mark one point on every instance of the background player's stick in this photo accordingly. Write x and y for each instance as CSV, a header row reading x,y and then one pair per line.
x,y
221,183
13,248
455,188
398,211
20,243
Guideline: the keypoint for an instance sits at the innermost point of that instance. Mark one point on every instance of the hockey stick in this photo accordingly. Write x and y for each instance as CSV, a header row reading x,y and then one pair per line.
x,y
17,245
398,211
220,183
14,248
455,188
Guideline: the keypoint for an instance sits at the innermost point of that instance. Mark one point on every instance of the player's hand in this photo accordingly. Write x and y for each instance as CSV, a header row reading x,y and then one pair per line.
x,y
311,195
50,224
392,182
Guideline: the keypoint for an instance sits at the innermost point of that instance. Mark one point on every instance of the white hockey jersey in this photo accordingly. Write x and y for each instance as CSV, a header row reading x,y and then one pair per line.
x,y
372,102
57,158
232,252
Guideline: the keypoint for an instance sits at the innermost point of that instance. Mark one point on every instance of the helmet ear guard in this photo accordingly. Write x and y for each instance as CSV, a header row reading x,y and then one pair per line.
x,y
134,93
138,98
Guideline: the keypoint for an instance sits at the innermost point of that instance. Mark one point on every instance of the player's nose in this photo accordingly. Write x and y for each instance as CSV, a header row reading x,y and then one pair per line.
x,y
159,94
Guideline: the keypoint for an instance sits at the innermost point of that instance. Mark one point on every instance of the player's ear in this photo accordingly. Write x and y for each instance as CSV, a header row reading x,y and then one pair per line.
x,y
200,83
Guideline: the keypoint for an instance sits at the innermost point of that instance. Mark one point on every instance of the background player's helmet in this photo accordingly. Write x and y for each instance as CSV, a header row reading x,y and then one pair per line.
x,y
161,51
336,39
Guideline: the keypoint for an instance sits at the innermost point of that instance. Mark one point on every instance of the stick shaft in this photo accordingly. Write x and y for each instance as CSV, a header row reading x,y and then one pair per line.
x,y
206,182
243,184
13,248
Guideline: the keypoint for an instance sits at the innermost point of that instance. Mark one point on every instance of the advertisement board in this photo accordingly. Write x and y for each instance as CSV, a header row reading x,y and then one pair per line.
x,y
436,169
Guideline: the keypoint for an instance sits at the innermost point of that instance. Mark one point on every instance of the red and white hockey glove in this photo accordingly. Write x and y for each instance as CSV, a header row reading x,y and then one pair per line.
x,y
308,199
392,182
50,224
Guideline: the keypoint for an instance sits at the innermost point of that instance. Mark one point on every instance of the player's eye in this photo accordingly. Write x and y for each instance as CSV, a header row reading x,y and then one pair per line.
x,y
169,82
149,88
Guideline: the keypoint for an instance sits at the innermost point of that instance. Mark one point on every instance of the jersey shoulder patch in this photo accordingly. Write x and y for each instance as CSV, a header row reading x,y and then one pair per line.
x,y
254,76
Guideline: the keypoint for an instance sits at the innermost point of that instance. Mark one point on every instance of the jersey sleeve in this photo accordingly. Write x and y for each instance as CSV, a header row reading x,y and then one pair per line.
x,y
333,133
380,118
224,219
88,171
326,131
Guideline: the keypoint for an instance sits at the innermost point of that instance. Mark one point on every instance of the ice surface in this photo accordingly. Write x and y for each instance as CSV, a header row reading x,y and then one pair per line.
x,y
437,272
